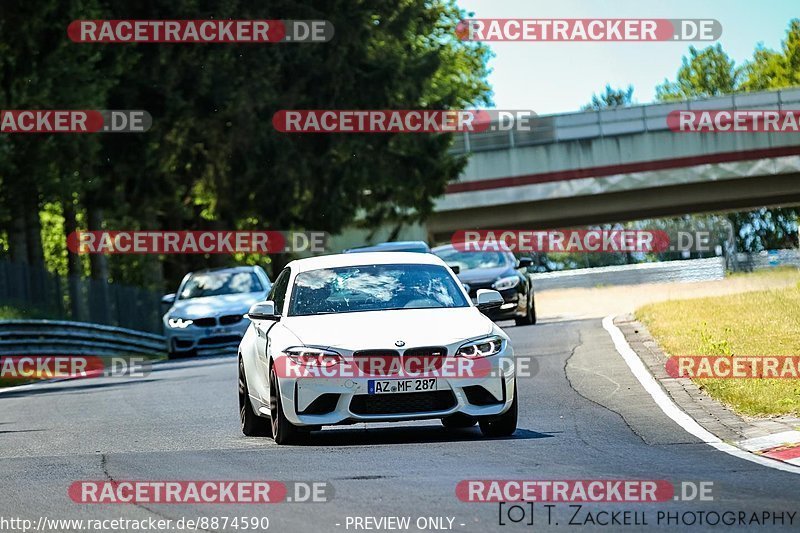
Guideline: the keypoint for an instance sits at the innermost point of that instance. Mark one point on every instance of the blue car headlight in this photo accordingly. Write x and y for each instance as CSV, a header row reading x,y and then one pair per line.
x,y
179,323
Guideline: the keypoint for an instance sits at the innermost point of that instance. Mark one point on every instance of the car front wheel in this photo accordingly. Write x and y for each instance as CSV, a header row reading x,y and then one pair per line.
x,y
283,431
501,425
530,314
252,425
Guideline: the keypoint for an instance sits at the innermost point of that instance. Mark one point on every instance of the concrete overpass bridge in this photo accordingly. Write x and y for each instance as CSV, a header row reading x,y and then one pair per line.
x,y
620,164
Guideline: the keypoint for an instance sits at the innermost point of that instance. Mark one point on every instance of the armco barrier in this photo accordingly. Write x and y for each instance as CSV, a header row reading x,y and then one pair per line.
x,y
664,272
768,259
57,337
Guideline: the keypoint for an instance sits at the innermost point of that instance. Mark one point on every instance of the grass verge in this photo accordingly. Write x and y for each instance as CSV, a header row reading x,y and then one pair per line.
x,y
750,323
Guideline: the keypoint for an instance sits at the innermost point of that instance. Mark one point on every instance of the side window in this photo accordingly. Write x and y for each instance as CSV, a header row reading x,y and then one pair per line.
x,y
278,292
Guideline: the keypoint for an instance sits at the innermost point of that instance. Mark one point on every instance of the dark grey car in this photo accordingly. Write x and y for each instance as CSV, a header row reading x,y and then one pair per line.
x,y
497,270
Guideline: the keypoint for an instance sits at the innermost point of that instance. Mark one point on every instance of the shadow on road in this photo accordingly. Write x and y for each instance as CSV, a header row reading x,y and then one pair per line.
x,y
192,362
408,435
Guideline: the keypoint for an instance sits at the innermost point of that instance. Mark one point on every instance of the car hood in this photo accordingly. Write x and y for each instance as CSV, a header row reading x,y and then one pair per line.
x,y
484,275
224,304
381,329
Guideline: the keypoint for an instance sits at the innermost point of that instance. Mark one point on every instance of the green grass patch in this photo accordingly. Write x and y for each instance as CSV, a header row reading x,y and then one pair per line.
x,y
11,312
748,323
5,382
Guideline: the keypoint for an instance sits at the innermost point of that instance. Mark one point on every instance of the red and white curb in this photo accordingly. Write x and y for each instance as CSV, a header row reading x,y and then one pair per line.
x,y
671,409
783,446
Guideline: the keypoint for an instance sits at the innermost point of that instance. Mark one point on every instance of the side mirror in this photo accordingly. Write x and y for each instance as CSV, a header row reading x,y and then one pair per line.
x,y
524,262
455,268
488,299
166,302
263,311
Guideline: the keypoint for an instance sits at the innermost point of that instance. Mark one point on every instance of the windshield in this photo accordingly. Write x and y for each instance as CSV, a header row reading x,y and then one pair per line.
x,y
218,283
472,260
374,288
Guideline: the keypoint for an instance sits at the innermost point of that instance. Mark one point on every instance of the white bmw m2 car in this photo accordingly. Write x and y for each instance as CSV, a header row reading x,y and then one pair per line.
x,y
373,337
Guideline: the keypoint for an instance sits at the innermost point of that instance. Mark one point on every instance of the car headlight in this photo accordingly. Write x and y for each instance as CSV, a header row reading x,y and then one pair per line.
x,y
180,323
484,347
508,282
305,355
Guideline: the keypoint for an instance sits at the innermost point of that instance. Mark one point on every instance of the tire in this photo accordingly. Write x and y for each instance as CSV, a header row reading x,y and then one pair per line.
x,y
252,425
283,431
459,420
501,425
530,314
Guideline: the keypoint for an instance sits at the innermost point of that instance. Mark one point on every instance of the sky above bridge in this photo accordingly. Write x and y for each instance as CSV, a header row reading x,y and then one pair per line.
x,y
551,77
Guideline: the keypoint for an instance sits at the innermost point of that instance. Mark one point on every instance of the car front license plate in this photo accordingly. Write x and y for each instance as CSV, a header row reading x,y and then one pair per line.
x,y
394,386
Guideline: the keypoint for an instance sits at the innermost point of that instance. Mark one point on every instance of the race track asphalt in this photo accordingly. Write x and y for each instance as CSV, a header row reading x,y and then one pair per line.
x,y
582,416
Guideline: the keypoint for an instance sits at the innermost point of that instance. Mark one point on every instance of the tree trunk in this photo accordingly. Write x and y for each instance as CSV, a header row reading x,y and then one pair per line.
x,y
33,237
100,309
74,266
277,263
33,232
153,268
17,236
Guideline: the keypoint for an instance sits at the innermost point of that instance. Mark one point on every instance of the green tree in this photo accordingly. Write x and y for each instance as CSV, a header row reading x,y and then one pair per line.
x,y
770,69
610,98
212,158
41,69
711,72
707,72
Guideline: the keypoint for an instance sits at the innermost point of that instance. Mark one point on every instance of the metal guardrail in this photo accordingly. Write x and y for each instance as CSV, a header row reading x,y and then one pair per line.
x,y
79,299
709,269
617,121
768,259
57,337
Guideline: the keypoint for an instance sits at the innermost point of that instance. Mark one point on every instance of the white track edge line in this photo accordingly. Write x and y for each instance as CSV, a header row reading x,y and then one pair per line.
x,y
670,409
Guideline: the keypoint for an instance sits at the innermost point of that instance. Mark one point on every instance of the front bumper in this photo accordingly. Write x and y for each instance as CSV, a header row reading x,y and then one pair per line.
x,y
329,401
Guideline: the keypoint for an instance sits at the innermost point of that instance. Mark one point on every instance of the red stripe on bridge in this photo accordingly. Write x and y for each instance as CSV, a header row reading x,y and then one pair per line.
x,y
625,168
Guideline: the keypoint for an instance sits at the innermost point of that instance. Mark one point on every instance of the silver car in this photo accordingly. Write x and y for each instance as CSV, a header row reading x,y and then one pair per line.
x,y
206,315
